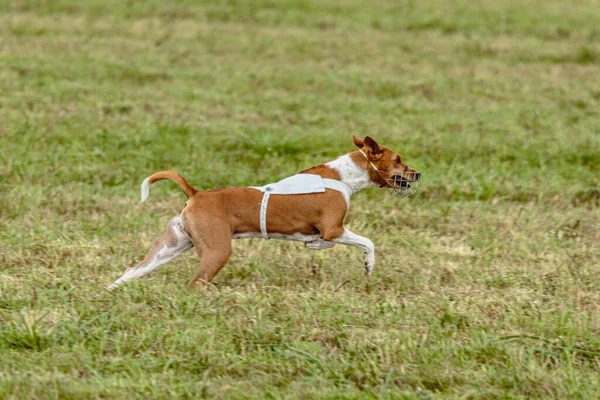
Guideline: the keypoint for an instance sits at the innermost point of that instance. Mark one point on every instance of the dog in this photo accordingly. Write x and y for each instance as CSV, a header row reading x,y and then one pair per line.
x,y
310,207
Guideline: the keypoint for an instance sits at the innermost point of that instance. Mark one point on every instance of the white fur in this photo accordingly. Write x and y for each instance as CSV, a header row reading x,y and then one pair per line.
x,y
145,189
352,239
162,256
350,173
319,244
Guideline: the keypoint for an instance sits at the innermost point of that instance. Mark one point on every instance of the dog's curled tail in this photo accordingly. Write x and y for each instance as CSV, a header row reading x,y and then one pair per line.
x,y
172,176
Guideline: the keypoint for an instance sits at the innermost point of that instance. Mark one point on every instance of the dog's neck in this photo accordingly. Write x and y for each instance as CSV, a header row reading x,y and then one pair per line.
x,y
350,173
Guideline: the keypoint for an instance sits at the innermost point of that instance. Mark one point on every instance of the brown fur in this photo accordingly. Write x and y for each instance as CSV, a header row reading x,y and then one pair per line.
x,y
175,177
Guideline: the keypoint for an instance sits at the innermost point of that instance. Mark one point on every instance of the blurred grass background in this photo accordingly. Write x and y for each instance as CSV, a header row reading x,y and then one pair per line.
x,y
487,280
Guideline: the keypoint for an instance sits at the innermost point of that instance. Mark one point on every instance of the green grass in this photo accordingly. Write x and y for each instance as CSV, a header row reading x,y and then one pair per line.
x,y
486,284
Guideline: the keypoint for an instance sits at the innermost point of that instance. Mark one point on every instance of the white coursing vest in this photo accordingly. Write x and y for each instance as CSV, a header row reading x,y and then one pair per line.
x,y
298,184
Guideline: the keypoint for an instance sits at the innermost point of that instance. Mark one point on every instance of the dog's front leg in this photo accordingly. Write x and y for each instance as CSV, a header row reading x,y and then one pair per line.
x,y
352,239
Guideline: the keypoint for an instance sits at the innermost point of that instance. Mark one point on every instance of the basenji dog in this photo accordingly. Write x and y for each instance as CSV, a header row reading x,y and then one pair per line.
x,y
315,216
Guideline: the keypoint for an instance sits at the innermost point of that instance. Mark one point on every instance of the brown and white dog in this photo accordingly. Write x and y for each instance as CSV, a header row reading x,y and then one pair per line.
x,y
210,219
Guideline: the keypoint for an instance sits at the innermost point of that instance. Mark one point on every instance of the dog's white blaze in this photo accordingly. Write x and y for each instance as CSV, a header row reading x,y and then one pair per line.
x,y
145,189
350,173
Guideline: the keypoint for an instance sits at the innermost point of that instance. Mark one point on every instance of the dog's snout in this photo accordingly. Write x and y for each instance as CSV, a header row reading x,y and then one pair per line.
x,y
418,175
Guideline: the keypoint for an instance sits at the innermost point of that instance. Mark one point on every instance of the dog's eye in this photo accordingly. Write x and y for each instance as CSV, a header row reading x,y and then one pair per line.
x,y
398,160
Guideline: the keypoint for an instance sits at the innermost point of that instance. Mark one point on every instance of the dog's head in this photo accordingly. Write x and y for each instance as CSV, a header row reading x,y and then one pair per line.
x,y
386,168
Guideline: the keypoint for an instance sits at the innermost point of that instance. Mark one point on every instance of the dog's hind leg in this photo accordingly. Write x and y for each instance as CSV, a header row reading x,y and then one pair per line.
x,y
213,243
169,245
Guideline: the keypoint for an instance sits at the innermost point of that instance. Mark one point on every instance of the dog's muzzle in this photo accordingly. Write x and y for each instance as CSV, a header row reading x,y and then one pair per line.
x,y
400,185
404,185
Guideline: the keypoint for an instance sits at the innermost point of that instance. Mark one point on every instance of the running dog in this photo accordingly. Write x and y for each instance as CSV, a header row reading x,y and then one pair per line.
x,y
309,207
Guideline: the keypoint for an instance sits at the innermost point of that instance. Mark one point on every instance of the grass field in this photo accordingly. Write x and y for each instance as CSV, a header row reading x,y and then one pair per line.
x,y
487,281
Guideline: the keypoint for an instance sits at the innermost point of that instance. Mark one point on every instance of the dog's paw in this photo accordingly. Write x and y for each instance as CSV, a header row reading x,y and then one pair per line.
x,y
369,264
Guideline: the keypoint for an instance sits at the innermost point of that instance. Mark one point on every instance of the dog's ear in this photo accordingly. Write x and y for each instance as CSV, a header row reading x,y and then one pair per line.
x,y
358,142
372,145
